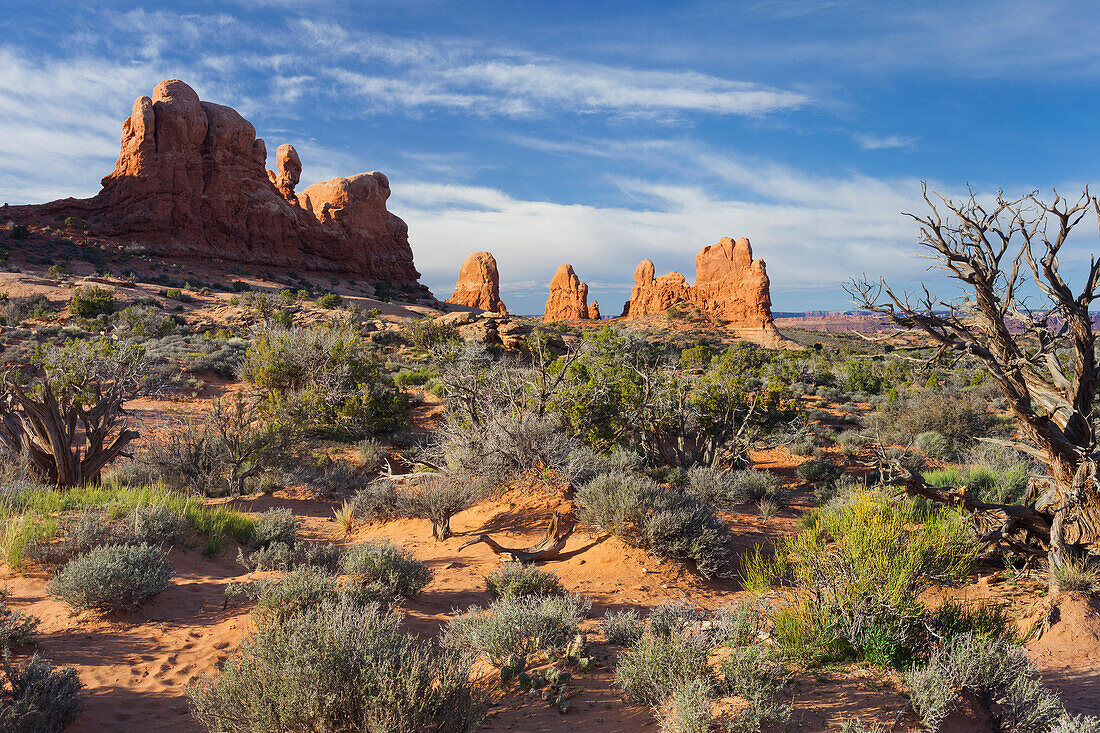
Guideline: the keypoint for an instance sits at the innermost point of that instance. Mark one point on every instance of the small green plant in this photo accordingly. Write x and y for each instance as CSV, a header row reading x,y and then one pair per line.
x,y
112,578
654,666
1080,577
92,301
329,301
513,580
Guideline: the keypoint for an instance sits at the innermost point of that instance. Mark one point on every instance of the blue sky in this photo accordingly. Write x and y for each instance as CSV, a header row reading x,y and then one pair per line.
x,y
595,133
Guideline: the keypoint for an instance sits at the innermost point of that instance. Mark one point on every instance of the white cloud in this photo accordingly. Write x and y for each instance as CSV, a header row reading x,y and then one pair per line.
x,y
887,142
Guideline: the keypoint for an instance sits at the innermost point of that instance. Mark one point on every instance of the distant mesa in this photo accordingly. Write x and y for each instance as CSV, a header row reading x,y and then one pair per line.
x,y
568,300
478,284
190,180
731,288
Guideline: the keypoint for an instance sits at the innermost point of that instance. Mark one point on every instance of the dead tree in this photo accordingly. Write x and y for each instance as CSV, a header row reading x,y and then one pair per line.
x,y
1043,359
68,421
548,547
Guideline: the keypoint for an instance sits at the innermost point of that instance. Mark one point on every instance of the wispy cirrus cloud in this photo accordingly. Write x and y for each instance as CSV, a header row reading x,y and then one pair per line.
x,y
886,142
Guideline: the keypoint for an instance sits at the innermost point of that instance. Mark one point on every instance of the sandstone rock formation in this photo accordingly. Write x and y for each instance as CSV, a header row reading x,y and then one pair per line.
x,y
190,180
568,299
594,311
730,288
478,284
290,171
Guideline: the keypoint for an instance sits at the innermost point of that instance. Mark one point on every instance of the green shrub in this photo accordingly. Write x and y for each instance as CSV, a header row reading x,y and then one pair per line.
x,y
329,301
393,568
996,673
751,486
1070,723
656,665
112,577
1006,486
675,617
37,697
859,574
621,627
322,379
92,301
752,674
514,580
343,666
425,333
951,618
688,708
517,627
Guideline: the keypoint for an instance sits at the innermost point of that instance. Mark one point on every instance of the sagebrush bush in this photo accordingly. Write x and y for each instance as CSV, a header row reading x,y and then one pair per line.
x,y
340,665
276,525
752,674
37,697
933,444
656,665
675,617
513,580
16,627
375,502
112,577
960,416
437,499
818,471
996,673
277,599
1070,723
371,454
688,708
518,627
621,627
751,486
393,568
668,522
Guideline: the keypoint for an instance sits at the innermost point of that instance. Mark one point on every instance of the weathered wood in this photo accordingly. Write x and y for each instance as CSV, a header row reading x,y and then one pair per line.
x,y
548,547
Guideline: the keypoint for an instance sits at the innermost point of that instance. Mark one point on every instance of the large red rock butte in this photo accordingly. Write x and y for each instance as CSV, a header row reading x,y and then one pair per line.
x,y
478,284
190,180
568,300
730,288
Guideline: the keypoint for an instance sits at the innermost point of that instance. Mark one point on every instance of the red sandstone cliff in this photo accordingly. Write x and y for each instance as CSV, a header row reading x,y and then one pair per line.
x,y
190,180
478,284
730,286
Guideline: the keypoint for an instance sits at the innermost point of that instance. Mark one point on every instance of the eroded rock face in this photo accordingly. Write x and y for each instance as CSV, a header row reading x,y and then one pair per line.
x,y
190,180
594,311
730,288
478,284
568,300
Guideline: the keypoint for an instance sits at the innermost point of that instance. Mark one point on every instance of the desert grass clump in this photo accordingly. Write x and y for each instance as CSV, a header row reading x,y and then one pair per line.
x,y
340,665
996,673
996,486
393,568
858,575
688,708
37,697
112,578
515,580
518,627
1081,577
621,627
